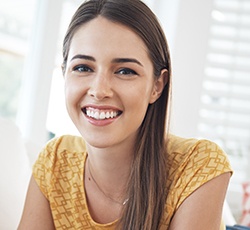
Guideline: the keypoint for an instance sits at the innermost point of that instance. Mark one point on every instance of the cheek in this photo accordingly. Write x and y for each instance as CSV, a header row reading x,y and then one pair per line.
x,y
73,93
144,94
68,92
73,88
68,98
139,98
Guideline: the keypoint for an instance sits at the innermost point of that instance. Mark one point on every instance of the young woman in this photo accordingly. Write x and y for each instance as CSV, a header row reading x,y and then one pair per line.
x,y
125,171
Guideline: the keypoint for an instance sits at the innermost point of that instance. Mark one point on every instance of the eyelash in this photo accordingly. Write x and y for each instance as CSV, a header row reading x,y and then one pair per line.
x,y
82,68
126,71
123,71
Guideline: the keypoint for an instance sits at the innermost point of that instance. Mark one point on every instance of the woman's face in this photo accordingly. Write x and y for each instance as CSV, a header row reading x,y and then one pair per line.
x,y
108,83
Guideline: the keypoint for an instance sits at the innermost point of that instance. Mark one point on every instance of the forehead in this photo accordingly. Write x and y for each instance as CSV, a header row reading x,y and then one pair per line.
x,y
103,34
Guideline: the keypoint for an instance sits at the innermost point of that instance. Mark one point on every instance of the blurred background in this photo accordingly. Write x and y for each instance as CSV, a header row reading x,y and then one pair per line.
x,y
210,48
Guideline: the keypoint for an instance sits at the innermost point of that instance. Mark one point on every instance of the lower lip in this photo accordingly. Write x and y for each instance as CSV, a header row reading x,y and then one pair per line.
x,y
103,122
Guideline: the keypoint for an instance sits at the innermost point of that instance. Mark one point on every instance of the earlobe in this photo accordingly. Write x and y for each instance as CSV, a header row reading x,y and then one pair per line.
x,y
159,85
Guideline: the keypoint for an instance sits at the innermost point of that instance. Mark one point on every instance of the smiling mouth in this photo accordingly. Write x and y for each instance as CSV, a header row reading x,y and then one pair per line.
x,y
101,114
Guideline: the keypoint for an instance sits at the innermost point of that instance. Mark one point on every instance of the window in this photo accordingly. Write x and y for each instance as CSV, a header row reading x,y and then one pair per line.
x,y
225,101
15,25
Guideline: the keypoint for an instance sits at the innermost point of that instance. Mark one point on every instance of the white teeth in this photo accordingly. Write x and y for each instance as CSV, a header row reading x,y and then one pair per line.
x,y
100,115
96,115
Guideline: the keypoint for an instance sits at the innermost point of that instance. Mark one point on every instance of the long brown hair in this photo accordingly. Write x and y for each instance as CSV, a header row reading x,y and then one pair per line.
x,y
146,188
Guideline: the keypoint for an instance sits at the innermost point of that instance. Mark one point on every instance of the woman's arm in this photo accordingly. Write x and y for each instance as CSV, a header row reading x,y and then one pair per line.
x,y
37,213
203,208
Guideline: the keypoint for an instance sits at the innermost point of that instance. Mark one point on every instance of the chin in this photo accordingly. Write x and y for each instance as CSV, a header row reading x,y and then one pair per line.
x,y
99,142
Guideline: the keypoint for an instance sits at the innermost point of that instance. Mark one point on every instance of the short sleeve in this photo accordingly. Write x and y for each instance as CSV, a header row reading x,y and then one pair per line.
x,y
43,167
204,161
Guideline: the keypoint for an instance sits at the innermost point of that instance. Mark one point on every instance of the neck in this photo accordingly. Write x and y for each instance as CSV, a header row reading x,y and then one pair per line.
x,y
121,200
110,168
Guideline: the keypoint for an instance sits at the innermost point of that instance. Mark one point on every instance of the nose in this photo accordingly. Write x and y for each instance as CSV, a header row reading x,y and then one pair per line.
x,y
100,87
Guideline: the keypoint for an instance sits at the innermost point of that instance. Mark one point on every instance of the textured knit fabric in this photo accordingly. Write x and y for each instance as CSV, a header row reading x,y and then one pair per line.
x,y
59,172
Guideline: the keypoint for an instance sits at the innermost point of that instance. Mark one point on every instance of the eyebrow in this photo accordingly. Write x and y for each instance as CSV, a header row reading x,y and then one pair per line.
x,y
116,60
124,60
82,56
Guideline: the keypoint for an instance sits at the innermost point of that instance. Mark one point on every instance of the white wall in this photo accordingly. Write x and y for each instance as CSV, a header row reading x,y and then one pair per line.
x,y
186,24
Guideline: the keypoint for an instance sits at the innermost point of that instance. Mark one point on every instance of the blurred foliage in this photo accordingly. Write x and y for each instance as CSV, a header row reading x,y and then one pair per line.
x,y
11,69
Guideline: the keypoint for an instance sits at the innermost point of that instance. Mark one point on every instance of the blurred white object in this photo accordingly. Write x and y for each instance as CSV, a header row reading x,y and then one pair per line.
x,y
15,172
227,216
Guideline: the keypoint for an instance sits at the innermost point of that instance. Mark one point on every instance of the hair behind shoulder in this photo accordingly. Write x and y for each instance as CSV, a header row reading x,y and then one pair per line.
x,y
146,187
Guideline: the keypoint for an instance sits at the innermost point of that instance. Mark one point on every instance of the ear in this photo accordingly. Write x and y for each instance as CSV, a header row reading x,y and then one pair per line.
x,y
159,85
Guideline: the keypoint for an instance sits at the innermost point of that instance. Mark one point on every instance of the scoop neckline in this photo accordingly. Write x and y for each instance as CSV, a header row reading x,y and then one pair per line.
x,y
85,198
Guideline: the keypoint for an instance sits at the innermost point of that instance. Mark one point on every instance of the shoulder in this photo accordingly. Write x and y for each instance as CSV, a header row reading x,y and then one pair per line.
x,y
61,149
66,143
59,156
195,152
193,162
184,145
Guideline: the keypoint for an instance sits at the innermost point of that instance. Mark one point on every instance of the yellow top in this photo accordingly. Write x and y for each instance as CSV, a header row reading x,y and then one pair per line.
x,y
59,172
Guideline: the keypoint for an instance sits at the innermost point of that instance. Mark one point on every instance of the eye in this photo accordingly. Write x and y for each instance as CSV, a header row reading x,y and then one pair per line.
x,y
82,68
126,71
